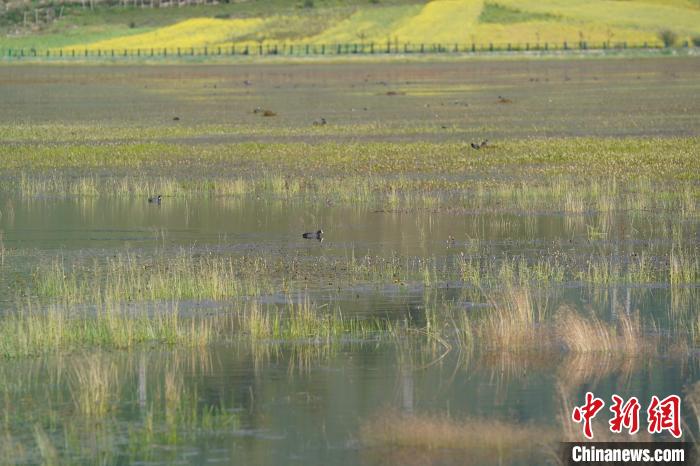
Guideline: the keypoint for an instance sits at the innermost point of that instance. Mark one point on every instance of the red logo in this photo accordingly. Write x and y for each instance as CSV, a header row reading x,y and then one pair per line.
x,y
662,415
624,415
665,415
587,412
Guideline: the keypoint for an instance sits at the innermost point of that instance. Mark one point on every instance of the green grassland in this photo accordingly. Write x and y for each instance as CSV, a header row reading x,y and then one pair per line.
x,y
362,22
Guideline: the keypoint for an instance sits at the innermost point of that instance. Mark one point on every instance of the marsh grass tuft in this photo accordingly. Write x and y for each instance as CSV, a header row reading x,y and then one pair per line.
x,y
30,331
511,322
305,320
589,334
484,439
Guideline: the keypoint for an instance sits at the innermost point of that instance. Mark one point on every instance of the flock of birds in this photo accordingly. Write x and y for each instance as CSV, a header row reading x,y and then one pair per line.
x,y
318,234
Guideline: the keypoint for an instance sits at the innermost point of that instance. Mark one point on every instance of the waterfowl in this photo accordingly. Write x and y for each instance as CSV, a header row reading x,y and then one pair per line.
x,y
155,199
477,146
311,235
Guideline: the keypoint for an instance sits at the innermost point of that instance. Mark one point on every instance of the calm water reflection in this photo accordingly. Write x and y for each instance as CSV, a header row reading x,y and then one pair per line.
x,y
305,403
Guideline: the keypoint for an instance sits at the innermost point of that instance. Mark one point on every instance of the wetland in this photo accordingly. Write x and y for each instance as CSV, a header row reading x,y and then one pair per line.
x,y
460,302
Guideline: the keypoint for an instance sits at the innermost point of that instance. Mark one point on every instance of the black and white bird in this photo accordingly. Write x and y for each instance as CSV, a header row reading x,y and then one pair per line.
x,y
477,146
155,199
313,235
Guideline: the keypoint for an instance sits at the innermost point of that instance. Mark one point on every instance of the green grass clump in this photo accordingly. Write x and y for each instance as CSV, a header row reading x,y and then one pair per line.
x,y
305,320
125,278
30,331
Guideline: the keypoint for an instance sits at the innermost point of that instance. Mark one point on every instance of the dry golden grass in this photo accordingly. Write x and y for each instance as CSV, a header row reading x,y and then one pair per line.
x,y
512,322
485,440
581,334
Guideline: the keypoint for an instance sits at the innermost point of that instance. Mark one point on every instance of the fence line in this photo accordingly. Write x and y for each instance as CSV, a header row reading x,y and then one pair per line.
x,y
296,49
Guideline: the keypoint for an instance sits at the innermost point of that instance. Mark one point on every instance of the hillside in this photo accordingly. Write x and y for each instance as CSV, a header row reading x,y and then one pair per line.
x,y
142,24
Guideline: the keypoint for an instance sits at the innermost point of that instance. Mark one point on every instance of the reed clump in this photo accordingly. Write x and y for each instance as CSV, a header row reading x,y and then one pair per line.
x,y
485,439
304,320
511,323
591,334
31,331
125,277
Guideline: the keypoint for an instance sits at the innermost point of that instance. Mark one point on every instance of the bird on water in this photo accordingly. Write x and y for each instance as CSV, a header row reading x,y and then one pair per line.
x,y
155,199
313,235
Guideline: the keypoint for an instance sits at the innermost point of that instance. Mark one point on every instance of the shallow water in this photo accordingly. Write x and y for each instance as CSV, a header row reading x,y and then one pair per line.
x,y
306,402
309,401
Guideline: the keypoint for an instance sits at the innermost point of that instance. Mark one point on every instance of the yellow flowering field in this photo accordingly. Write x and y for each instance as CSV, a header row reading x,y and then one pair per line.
x,y
438,21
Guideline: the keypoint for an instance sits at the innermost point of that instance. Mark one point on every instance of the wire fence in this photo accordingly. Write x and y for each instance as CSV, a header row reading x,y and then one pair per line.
x,y
317,49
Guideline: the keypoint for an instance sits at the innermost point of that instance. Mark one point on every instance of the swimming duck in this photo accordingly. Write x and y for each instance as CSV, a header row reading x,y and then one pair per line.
x,y
311,235
155,199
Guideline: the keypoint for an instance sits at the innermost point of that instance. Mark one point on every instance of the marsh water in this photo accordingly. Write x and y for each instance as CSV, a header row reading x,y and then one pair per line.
x,y
305,402
312,400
